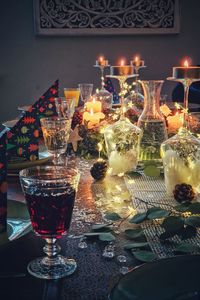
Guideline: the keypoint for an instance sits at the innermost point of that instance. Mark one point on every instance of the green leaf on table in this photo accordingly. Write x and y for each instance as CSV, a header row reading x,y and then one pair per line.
x,y
187,248
194,208
144,255
138,218
112,216
152,171
183,207
167,234
136,245
188,232
97,227
193,221
134,174
158,214
134,233
172,224
106,237
150,163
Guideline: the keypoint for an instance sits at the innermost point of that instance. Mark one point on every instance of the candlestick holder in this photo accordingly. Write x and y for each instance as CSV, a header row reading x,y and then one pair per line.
x,y
122,79
103,95
186,82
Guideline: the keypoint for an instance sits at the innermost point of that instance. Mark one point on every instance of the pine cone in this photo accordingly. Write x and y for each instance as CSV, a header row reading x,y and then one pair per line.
x,y
183,193
99,169
77,119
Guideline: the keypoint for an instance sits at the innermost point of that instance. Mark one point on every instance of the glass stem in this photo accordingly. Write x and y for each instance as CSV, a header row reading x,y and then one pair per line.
x,y
121,83
51,248
186,94
102,78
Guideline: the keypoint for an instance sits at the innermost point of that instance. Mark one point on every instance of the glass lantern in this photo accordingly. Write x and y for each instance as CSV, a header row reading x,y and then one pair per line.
x,y
122,143
181,160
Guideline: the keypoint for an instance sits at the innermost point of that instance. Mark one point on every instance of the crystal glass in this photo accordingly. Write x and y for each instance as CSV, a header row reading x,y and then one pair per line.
x,y
181,160
65,107
152,121
50,193
122,144
85,91
105,98
72,93
56,132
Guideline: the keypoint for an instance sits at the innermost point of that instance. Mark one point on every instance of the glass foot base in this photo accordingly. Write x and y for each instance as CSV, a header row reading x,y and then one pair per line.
x,y
46,268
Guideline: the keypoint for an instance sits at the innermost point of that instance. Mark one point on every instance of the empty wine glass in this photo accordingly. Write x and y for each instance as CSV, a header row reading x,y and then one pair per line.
x,y
50,193
56,132
65,107
85,91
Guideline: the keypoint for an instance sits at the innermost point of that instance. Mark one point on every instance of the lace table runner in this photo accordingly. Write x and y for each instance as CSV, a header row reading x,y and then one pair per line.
x,y
152,191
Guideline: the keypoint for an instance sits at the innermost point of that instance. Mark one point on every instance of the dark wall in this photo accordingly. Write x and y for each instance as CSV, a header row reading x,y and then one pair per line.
x,y
30,63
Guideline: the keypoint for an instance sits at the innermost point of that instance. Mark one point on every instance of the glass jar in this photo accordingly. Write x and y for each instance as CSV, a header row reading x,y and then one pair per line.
x,y
152,121
181,160
122,144
105,98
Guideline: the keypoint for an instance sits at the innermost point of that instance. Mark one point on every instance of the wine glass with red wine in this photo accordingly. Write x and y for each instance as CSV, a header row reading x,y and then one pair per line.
x,y
50,193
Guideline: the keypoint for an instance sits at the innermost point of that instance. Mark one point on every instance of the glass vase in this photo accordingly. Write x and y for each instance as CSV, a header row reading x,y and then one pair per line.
x,y
181,160
122,144
152,121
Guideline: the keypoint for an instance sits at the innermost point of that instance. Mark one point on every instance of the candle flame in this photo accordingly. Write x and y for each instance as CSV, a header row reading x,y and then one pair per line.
x,y
91,111
93,100
122,63
100,147
101,58
186,63
136,58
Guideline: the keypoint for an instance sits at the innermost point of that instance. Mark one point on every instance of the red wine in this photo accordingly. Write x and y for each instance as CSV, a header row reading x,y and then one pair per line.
x,y
51,210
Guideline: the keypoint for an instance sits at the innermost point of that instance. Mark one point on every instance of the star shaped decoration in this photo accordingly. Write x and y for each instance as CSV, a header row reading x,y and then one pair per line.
x,y
74,138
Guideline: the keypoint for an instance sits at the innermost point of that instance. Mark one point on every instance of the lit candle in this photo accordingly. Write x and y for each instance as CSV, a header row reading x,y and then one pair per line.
x,y
96,106
121,70
137,62
92,118
186,71
102,62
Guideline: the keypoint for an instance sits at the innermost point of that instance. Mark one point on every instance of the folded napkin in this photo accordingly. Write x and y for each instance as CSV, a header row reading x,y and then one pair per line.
x,y
3,182
110,88
23,137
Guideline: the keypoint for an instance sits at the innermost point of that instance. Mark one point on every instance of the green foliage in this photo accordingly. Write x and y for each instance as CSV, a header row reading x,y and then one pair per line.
x,y
106,237
152,171
144,255
193,221
172,224
138,218
136,245
187,248
112,216
134,233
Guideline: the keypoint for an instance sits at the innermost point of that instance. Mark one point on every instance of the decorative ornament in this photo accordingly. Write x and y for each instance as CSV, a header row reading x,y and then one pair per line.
x,y
99,169
75,138
183,192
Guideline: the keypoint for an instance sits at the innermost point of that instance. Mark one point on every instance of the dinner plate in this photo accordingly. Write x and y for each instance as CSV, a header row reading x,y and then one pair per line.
x,y
174,278
24,108
18,222
15,167
10,123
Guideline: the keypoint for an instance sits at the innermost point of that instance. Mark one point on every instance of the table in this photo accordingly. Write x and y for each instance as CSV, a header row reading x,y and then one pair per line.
x,y
95,275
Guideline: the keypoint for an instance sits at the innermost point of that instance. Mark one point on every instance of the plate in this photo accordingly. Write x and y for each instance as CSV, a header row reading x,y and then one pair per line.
x,y
24,108
18,222
166,279
17,166
10,123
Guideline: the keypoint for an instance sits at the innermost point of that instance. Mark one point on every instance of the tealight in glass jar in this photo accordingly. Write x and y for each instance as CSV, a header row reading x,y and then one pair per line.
x,y
122,143
181,160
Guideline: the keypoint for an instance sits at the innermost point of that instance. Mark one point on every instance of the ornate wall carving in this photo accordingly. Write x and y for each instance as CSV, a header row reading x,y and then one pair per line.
x,y
65,17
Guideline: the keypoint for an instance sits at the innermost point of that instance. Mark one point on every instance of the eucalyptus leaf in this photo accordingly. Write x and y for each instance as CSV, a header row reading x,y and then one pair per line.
x,y
183,207
134,233
172,224
187,248
97,227
92,234
134,174
188,232
166,235
138,218
144,255
193,221
136,245
106,237
158,214
152,171
112,216
194,208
